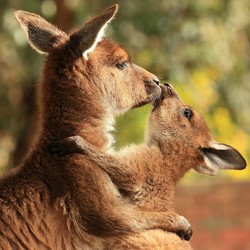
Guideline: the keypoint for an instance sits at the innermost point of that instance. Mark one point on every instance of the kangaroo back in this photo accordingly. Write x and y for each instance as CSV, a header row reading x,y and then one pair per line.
x,y
53,203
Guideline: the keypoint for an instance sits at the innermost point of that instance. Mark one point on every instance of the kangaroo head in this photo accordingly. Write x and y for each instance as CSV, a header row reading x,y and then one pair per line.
x,y
85,64
171,120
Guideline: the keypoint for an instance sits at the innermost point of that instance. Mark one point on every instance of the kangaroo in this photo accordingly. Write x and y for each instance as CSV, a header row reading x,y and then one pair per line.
x,y
48,202
177,140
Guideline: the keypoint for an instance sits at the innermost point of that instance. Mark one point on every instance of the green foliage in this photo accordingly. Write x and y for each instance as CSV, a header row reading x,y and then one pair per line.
x,y
201,47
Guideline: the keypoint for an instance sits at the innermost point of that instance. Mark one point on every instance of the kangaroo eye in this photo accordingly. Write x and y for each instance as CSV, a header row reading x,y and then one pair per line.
x,y
188,113
122,65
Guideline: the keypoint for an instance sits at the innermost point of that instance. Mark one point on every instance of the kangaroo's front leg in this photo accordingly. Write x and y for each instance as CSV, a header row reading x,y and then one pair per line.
x,y
168,221
126,175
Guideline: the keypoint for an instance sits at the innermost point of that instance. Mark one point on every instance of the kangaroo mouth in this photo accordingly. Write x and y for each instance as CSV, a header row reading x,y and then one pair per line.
x,y
157,102
153,94
142,103
166,91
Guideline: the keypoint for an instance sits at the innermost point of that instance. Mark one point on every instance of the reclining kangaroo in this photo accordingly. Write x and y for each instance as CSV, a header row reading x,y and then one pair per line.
x,y
49,202
177,140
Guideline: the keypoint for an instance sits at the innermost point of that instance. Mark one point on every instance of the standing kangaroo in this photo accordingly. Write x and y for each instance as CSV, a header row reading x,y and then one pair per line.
x,y
177,140
49,202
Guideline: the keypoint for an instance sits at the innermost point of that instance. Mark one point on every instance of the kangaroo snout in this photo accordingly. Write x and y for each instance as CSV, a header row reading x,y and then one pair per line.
x,y
150,78
156,80
152,85
167,90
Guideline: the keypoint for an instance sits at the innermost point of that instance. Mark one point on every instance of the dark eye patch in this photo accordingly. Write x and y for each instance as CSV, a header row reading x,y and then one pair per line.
x,y
122,65
188,113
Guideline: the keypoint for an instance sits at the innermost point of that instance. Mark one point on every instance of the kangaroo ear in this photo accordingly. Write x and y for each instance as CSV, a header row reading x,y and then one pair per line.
x,y
220,156
93,31
42,35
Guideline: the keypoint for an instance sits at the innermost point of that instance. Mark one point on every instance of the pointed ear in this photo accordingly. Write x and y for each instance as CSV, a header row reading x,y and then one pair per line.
x,y
41,35
93,31
220,156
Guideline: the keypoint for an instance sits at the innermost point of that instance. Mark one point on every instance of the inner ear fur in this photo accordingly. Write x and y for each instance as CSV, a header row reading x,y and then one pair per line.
x,y
93,31
41,35
44,36
222,156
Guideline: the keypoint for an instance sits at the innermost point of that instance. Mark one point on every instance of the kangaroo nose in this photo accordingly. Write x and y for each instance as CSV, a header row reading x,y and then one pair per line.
x,y
167,84
156,80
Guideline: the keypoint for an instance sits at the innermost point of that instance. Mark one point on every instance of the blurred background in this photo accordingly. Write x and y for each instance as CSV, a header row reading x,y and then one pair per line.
x,y
201,47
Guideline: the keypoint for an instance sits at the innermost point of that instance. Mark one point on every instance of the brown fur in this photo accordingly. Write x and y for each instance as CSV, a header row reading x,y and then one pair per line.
x,y
147,174
50,202
148,240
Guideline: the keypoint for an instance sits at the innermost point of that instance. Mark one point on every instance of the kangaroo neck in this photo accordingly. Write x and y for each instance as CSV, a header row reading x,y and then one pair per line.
x,y
178,159
95,130
68,113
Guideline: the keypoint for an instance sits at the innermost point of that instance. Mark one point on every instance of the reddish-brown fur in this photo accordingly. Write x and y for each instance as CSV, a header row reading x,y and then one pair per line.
x,y
147,174
50,202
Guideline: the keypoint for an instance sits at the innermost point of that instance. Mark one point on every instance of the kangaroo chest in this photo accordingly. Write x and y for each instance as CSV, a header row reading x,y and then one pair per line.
x,y
156,194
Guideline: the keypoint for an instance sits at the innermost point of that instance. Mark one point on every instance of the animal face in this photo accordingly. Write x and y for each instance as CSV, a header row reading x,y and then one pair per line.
x,y
174,120
171,120
123,84
85,62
